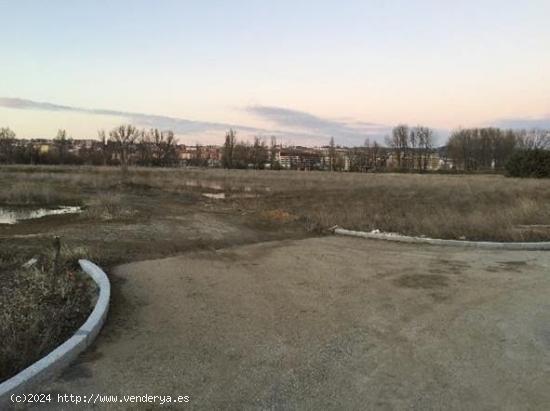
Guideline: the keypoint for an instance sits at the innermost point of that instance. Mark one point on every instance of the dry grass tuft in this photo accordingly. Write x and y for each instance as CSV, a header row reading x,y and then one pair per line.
x,y
39,310
105,206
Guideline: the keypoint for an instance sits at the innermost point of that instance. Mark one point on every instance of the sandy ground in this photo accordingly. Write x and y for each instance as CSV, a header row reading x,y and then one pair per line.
x,y
326,323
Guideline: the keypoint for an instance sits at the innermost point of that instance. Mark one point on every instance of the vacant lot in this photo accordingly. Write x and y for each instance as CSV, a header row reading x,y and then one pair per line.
x,y
154,212
304,322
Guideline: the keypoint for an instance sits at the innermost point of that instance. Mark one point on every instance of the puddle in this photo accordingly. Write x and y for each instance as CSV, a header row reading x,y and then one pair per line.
x,y
216,196
218,186
13,215
222,196
204,184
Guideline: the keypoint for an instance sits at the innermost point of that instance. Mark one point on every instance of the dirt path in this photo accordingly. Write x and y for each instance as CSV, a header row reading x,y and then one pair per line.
x,y
327,323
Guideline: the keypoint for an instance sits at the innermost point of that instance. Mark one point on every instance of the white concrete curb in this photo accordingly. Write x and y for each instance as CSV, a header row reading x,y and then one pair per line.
x,y
543,245
52,364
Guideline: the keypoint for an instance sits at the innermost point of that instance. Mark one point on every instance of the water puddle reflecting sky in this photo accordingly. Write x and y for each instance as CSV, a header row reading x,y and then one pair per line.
x,y
13,215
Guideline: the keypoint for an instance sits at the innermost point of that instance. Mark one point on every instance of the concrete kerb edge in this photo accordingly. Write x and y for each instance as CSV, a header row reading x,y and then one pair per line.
x,y
57,360
528,246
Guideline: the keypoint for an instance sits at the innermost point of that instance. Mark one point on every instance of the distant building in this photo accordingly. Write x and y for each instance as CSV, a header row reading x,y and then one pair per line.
x,y
298,158
197,155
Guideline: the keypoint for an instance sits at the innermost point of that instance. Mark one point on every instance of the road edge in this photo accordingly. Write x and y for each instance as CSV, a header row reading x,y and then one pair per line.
x,y
526,246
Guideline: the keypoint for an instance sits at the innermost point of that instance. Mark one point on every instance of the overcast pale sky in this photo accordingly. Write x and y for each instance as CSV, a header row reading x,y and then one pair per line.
x,y
304,70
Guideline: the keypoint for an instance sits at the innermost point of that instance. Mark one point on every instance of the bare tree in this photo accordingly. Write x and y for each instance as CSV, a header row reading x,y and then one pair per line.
x,y
460,149
103,146
424,136
359,157
331,154
273,153
375,154
413,154
163,147
144,150
259,155
169,153
486,148
62,143
242,155
199,159
7,145
229,148
124,137
534,139
399,143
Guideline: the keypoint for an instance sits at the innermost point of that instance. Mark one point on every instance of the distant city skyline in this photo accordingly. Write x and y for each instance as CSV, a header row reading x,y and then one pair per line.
x,y
303,72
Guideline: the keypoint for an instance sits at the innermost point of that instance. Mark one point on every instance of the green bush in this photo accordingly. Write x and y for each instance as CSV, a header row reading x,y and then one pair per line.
x,y
529,163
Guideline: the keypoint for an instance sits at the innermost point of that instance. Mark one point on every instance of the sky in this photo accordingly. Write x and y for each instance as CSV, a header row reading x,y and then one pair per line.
x,y
301,70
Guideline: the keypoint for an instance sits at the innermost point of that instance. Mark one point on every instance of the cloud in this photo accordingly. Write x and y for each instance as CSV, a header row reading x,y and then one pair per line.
x,y
523,122
178,125
292,126
346,132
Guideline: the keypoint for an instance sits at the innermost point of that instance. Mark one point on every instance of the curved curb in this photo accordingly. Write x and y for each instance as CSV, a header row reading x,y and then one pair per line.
x,y
53,363
533,246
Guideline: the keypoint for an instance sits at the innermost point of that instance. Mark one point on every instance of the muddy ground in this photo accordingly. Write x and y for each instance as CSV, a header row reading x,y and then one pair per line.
x,y
148,223
327,323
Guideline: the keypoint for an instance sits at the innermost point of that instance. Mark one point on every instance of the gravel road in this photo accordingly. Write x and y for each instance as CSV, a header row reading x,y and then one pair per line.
x,y
326,323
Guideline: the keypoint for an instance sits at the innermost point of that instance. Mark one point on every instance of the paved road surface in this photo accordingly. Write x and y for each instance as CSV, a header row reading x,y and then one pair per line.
x,y
327,323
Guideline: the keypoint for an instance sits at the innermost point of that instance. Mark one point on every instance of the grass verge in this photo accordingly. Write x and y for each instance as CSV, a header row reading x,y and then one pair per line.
x,y
40,307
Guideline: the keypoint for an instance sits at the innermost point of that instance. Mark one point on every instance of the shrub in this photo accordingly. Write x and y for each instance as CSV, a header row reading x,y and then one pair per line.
x,y
529,163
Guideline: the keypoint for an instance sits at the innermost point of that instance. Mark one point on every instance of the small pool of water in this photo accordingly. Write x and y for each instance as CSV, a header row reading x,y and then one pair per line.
x,y
222,196
215,196
204,184
219,186
14,215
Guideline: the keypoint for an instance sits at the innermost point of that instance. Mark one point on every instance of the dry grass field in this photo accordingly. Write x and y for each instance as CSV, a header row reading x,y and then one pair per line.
x,y
476,207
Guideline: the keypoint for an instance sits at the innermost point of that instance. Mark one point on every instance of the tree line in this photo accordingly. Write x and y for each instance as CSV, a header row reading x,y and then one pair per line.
x,y
476,149
242,154
122,146
411,148
406,149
